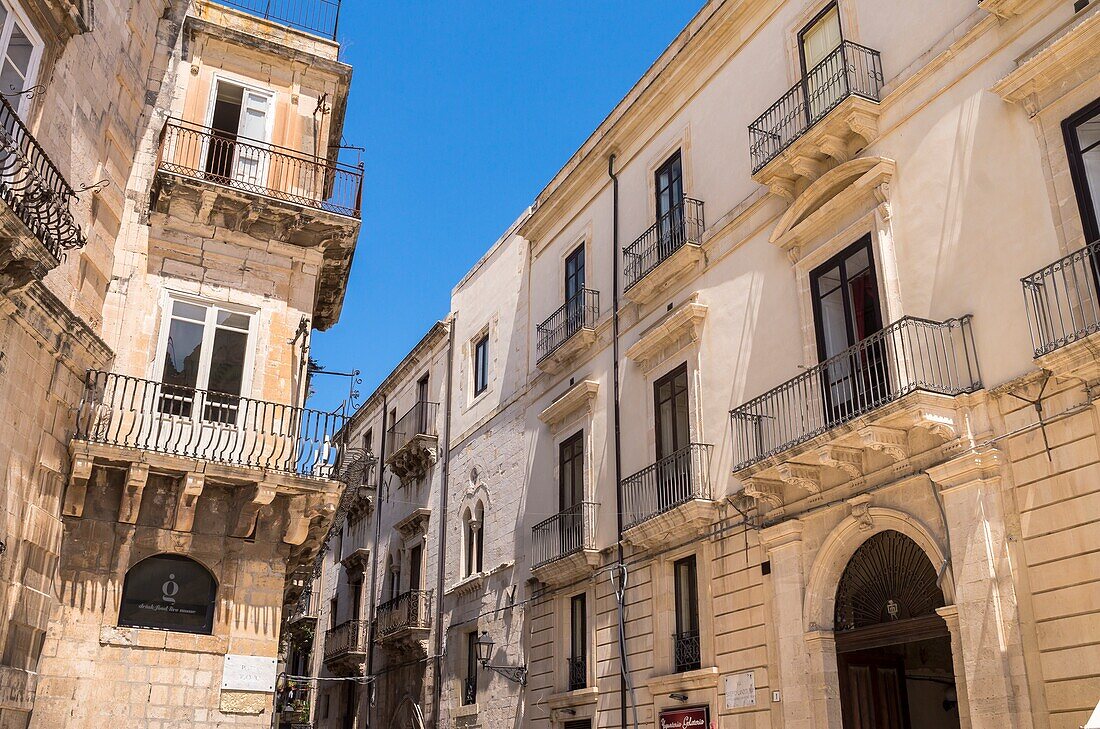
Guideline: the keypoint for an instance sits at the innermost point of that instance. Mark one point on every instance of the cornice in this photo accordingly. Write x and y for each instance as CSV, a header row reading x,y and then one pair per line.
x,y
576,397
1052,64
685,320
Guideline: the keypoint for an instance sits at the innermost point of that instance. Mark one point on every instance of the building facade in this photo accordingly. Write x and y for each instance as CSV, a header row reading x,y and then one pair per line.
x,y
777,408
177,224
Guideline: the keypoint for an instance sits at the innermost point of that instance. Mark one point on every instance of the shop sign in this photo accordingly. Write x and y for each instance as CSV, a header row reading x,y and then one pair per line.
x,y
168,592
694,718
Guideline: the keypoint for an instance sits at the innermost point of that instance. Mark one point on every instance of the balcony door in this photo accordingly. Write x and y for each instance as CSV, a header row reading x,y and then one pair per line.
x,y
571,492
574,291
847,311
422,405
669,186
241,128
1082,133
416,566
671,414
816,43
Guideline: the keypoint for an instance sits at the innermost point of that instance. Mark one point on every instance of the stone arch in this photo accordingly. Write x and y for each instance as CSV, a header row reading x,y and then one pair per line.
x,y
834,185
407,715
837,550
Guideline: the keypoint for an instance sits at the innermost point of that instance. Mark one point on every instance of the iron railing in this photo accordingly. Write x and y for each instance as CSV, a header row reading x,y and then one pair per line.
x,y
295,704
578,672
408,611
580,312
668,483
257,167
319,17
1063,300
686,651
34,188
683,224
308,606
419,420
564,533
909,355
850,70
469,690
346,638
129,412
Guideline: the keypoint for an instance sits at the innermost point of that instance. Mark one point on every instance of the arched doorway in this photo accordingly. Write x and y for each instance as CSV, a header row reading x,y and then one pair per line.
x,y
893,649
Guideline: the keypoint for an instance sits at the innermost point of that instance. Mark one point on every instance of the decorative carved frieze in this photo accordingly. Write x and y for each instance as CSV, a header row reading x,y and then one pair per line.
x,y
415,459
676,330
578,397
766,492
861,511
415,524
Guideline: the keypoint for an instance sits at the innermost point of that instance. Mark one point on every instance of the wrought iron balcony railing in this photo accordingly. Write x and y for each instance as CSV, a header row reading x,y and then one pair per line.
x,y
668,483
319,17
578,672
909,355
419,420
469,690
257,167
410,610
564,533
308,606
1063,300
686,651
34,188
580,312
681,225
346,638
129,412
850,70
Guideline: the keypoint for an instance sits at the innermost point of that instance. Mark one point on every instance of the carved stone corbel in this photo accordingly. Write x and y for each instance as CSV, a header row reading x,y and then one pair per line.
x,y
766,492
842,458
77,492
801,476
190,489
137,475
891,442
252,499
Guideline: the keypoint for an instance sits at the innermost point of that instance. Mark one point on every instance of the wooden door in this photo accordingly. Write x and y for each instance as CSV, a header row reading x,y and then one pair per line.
x,y
872,691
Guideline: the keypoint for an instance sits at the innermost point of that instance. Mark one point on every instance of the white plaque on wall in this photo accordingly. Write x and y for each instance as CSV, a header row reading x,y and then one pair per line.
x,y
249,673
741,690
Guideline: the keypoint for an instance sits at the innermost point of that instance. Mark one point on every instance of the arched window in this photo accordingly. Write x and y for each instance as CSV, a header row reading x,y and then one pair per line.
x,y
473,539
169,592
479,535
467,544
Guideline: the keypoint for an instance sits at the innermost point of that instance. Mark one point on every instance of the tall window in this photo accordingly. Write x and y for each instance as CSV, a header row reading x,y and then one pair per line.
x,y
481,364
1082,132
422,398
686,653
816,43
847,311
355,589
578,642
669,186
571,492
670,394
416,559
241,126
473,530
205,349
574,273
469,685
368,447
21,52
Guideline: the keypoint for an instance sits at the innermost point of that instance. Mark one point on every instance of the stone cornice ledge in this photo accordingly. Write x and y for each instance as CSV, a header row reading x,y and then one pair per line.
x,y
580,697
686,319
1052,63
703,678
576,397
975,466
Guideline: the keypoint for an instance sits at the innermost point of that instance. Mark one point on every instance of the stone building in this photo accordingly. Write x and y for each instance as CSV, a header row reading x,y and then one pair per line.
x,y
177,225
777,408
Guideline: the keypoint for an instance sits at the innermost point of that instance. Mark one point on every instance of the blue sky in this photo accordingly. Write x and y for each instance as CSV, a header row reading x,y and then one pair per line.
x,y
466,110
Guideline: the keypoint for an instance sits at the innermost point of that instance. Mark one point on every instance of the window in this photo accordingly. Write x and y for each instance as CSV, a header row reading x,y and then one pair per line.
x,y
355,589
481,364
169,592
241,126
571,493
333,609
670,395
416,559
1082,132
578,642
206,348
846,312
686,653
368,447
21,52
394,568
422,425
669,186
574,273
816,43
469,685
472,527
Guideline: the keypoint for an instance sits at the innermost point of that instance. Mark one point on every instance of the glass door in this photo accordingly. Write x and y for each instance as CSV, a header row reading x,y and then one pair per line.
x,y
574,292
673,434
670,206
571,493
253,156
822,68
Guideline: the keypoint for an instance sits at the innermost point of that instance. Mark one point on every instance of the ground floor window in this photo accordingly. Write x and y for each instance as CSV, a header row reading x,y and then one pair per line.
x,y
168,592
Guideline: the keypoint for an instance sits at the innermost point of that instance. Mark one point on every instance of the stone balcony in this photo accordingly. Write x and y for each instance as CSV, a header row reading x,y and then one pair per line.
x,y
346,648
1003,8
669,500
823,120
564,546
892,399
670,251
568,332
412,443
405,622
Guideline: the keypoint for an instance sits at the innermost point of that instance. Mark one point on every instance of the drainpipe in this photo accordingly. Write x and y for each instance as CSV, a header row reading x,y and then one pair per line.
x,y
437,644
369,668
617,419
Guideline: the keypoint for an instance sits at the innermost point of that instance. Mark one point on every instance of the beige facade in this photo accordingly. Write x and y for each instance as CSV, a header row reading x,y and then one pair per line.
x,y
163,267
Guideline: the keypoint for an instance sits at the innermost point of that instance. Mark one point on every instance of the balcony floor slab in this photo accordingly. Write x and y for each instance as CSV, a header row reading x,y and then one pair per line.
x,y
567,569
688,519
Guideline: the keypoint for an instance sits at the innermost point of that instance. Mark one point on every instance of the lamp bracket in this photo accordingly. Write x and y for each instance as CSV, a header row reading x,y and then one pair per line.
x,y
516,675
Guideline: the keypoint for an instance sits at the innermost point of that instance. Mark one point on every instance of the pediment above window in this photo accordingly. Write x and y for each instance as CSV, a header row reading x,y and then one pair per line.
x,y
839,194
676,330
579,396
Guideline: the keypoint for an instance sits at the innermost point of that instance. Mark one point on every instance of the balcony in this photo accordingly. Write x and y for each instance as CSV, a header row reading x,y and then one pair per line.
x,y
564,546
1063,310
1003,8
405,620
317,17
308,608
37,225
671,498
294,704
827,117
346,648
568,331
412,442
146,419
578,672
666,253
891,396
686,651
254,187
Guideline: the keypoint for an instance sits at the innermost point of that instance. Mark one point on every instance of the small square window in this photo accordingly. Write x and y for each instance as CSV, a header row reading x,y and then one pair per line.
x,y
481,364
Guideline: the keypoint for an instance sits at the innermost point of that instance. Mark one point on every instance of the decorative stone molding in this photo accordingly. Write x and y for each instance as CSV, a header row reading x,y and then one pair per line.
x,y
249,502
573,705
1003,8
1079,359
359,559
891,442
847,460
979,465
568,351
861,511
415,459
685,260
689,518
801,476
766,492
580,396
415,524
137,475
697,680
676,330
567,569
187,499
468,585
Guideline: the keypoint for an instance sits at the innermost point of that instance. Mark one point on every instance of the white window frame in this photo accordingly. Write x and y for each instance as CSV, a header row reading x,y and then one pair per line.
x,y
220,77
16,15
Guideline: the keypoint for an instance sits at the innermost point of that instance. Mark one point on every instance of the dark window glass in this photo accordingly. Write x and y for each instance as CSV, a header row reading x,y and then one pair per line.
x,y
479,537
578,642
671,408
686,640
421,398
416,557
470,546
1082,132
574,273
481,365
169,592
355,588
571,472
669,181
469,686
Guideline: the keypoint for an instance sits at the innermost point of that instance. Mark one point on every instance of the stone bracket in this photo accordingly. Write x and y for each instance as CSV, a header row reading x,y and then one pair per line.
x,y
77,492
842,458
801,476
766,492
190,489
136,477
298,519
252,500
891,442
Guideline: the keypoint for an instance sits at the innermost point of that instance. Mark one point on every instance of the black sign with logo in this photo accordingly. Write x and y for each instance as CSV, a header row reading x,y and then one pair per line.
x,y
169,592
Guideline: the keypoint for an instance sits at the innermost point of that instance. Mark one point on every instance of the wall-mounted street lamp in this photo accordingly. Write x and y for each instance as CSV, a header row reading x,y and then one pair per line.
x,y
484,646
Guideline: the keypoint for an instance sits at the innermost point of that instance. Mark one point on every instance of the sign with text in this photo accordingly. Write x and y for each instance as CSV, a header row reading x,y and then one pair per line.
x,y
168,592
694,718
741,690
248,673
